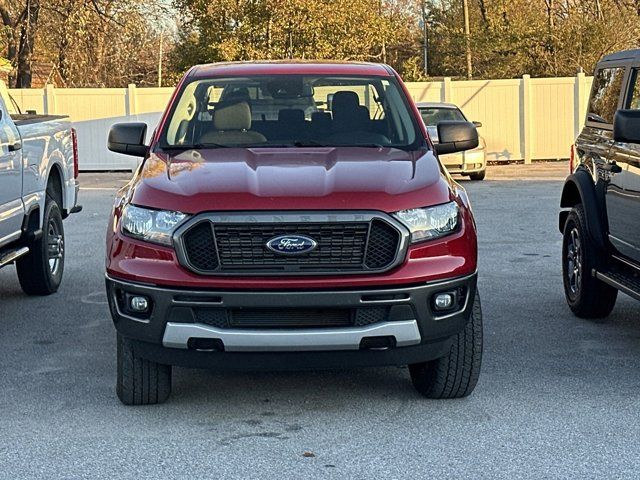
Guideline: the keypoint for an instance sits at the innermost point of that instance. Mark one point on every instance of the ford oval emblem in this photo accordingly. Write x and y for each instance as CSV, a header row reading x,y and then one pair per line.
x,y
291,244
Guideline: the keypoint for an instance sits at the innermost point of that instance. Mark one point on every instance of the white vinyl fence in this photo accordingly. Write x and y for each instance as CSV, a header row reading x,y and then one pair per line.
x,y
93,111
523,119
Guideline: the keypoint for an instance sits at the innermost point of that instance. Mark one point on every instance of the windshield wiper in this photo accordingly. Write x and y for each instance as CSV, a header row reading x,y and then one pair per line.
x,y
309,143
196,146
363,145
314,143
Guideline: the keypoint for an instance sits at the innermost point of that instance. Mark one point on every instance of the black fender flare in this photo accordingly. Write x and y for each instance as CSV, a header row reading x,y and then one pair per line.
x,y
579,188
31,229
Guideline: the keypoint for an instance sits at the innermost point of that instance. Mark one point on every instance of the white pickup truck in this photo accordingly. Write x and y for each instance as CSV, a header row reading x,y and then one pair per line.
x,y
38,189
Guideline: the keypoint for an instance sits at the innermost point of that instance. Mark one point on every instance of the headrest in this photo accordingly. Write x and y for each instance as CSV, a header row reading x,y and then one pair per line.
x,y
236,116
321,118
344,99
291,115
356,119
241,93
364,114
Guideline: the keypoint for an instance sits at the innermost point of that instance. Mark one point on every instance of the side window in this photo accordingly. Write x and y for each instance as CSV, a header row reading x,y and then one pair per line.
x,y
634,101
8,132
607,85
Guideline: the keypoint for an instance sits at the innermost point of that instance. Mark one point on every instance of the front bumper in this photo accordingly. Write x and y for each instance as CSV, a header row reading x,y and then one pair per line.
x,y
172,334
72,189
465,163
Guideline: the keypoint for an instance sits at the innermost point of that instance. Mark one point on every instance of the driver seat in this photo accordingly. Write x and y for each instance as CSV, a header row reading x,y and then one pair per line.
x,y
232,124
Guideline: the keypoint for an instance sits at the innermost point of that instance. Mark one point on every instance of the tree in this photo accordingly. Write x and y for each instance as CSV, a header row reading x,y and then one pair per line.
x,y
115,42
538,37
88,42
20,24
467,38
274,29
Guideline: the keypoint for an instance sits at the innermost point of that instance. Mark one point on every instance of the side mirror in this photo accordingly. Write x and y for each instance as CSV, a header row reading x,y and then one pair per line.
x,y
128,138
626,126
477,124
456,137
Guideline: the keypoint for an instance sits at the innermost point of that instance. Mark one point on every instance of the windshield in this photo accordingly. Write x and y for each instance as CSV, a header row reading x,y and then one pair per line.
x,y
431,116
291,110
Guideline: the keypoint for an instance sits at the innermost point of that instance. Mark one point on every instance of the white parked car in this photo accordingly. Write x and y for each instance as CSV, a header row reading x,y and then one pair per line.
x,y
472,163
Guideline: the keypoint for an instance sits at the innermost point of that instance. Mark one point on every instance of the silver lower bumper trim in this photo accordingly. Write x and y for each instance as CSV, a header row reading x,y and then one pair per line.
x,y
177,335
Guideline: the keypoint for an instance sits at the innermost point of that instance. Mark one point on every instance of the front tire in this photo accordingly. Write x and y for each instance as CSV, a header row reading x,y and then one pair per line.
x,y
587,296
140,381
40,271
456,374
479,176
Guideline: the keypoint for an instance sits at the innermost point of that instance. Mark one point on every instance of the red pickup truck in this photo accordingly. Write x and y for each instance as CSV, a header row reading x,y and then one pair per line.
x,y
293,215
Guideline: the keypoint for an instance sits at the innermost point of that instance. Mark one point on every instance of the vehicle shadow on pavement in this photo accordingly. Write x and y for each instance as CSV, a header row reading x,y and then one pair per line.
x,y
312,387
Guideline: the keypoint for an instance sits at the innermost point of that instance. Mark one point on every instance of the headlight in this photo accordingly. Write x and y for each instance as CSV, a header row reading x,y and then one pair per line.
x,y
432,222
150,225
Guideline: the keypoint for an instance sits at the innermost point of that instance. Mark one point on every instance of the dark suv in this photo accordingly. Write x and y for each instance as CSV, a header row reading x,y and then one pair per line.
x,y
601,197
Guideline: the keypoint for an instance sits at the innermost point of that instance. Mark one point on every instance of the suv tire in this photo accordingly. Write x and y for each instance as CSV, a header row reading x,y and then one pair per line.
x,y
40,271
456,374
478,176
140,381
587,296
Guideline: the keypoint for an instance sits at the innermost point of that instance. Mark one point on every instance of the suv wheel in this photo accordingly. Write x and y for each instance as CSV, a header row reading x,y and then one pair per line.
x,y
140,381
40,271
456,374
587,296
479,176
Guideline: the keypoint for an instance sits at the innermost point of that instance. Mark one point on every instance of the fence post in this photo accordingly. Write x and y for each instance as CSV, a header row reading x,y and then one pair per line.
x,y
580,103
527,122
49,99
446,90
131,100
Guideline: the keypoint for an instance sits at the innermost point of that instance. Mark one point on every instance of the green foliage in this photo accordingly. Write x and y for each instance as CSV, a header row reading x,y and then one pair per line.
x,y
116,42
102,43
536,37
275,29
82,43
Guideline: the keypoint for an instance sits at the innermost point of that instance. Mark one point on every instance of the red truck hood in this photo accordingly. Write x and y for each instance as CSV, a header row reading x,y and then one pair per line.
x,y
291,179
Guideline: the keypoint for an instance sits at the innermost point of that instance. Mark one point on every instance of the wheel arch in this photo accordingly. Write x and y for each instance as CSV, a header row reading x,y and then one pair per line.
x,y
31,223
579,189
55,185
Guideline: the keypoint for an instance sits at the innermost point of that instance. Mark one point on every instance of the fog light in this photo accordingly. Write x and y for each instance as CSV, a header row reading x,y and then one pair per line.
x,y
139,304
444,301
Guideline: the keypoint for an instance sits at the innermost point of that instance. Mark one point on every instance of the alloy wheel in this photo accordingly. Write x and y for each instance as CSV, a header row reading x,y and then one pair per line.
x,y
574,261
55,246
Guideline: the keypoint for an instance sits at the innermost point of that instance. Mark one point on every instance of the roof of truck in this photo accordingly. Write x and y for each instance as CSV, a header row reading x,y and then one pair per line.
x,y
624,55
436,105
291,67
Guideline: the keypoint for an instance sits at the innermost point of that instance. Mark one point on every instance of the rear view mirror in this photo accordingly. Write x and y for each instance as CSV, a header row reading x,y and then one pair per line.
x,y
477,124
289,88
626,126
128,139
455,136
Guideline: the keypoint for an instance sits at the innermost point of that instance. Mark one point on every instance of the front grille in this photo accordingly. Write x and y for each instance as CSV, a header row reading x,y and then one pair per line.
x,y
383,244
295,317
339,244
290,317
370,315
200,247
216,317
227,247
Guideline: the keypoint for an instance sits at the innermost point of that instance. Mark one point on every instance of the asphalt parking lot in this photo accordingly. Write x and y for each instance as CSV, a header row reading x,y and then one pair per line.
x,y
558,397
